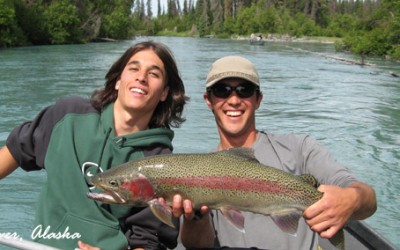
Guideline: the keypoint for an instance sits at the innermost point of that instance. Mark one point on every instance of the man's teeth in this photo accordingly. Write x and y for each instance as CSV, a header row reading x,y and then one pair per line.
x,y
137,90
233,113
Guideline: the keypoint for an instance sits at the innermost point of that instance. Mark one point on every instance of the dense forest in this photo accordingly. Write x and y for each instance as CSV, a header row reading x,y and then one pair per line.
x,y
366,27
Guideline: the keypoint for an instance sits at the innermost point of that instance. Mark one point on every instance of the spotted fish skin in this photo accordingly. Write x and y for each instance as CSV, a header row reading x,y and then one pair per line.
x,y
231,179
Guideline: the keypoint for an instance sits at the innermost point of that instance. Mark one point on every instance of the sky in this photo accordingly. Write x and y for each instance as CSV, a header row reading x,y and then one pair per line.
x,y
154,4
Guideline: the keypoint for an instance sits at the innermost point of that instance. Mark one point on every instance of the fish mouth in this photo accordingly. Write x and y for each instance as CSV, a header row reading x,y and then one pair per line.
x,y
108,197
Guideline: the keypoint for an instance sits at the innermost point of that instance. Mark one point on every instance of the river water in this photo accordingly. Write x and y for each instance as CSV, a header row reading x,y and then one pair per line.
x,y
353,110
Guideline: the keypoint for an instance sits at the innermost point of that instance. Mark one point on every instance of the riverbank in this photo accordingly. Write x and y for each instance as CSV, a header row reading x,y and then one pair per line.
x,y
287,38
265,36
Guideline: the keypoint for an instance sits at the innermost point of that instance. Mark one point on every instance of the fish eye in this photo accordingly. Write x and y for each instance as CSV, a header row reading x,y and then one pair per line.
x,y
113,183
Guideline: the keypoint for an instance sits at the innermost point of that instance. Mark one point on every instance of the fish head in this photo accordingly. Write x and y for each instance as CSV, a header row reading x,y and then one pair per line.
x,y
132,189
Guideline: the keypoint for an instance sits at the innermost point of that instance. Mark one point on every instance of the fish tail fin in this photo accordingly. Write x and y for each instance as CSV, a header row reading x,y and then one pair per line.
x,y
162,212
338,240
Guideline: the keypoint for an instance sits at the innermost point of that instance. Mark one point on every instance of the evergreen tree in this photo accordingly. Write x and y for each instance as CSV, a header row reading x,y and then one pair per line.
x,y
149,11
367,26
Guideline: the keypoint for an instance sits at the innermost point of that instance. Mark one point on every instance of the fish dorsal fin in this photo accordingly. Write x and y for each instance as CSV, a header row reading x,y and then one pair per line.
x,y
307,178
245,153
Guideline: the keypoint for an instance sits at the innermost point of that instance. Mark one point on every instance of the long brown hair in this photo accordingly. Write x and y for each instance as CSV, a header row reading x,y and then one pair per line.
x,y
167,113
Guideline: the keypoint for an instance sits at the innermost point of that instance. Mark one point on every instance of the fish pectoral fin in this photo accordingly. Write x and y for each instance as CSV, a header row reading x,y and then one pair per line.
x,y
162,211
287,220
235,217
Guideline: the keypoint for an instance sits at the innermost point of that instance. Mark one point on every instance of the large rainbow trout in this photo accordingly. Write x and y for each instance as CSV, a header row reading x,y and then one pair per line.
x,y
230,180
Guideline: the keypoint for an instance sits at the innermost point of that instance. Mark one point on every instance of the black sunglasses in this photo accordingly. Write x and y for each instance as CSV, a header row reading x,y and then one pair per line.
x,y
244,90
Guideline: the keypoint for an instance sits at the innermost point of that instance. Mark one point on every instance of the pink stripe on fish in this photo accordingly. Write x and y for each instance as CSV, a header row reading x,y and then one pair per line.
x,y
226,183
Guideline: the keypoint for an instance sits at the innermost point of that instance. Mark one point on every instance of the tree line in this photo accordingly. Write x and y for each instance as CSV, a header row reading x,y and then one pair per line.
x,y
366,27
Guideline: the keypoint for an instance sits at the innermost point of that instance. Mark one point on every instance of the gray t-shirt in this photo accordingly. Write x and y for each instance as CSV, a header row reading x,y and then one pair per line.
x,y
296,154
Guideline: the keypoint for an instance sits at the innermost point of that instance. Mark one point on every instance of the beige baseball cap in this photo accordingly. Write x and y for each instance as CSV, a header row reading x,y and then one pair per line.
x,y
232,67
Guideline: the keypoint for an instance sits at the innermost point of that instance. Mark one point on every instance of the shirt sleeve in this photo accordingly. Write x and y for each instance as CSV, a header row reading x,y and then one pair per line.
x,y
28,142
144,230
318,161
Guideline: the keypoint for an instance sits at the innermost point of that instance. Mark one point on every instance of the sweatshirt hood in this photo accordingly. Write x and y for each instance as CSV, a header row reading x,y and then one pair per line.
x,y
145,138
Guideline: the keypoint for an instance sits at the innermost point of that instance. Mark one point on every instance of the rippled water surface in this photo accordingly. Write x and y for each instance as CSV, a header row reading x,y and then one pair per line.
x,y
353,110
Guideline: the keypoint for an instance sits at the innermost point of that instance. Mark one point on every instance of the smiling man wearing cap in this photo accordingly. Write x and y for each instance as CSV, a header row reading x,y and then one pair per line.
x,y
234,113
233,95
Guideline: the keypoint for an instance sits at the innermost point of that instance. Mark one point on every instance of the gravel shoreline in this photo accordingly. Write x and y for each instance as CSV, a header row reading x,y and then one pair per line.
x,y
284,38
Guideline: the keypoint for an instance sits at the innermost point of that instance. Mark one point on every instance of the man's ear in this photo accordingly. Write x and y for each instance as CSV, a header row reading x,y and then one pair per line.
x,y
164,94
207,99
117,84
259,100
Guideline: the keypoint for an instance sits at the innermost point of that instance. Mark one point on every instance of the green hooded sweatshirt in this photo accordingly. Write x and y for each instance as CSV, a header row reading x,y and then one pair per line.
x,y
73,141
